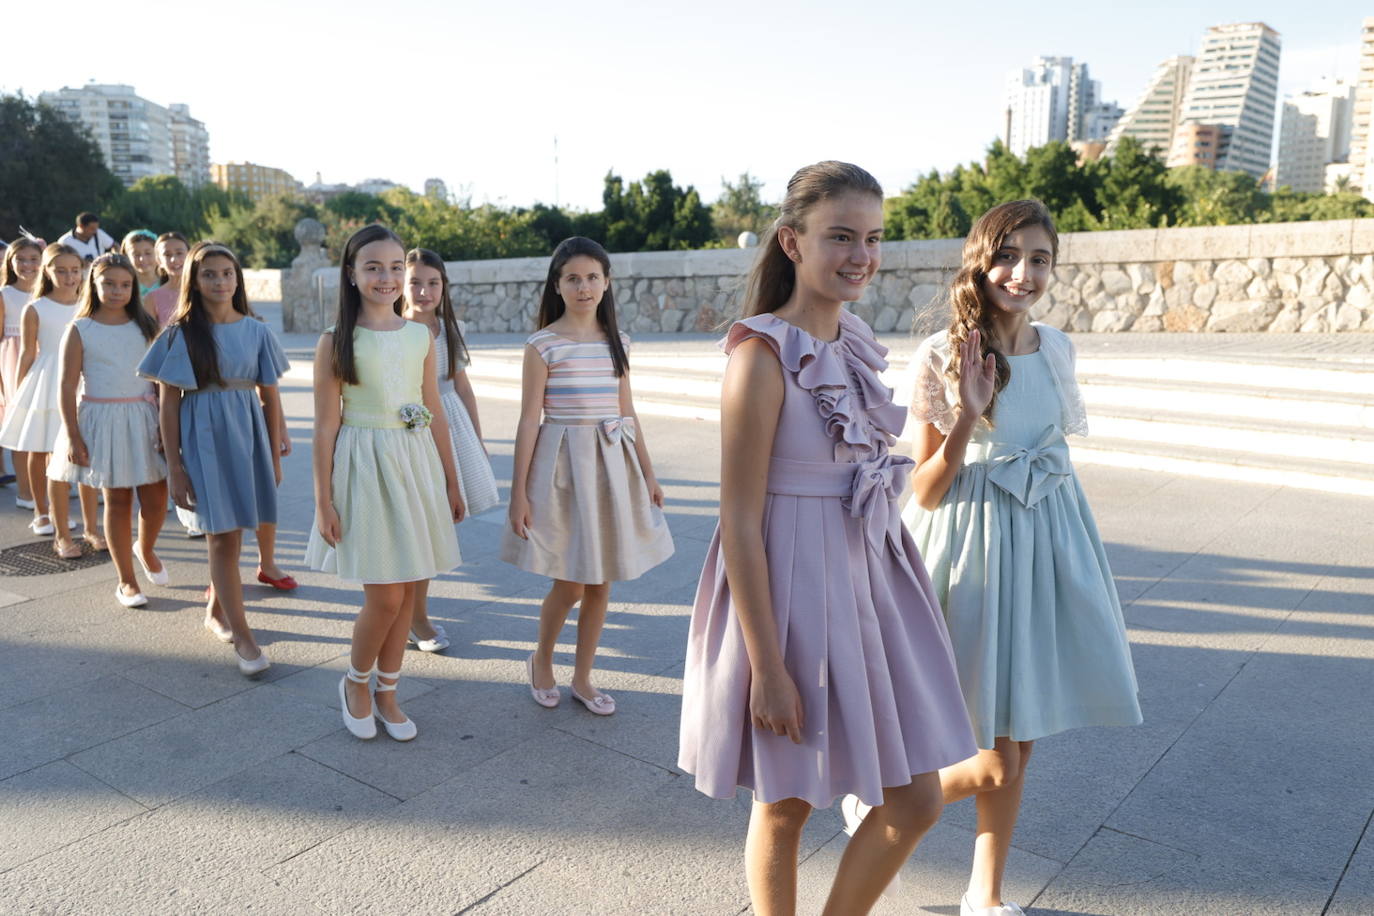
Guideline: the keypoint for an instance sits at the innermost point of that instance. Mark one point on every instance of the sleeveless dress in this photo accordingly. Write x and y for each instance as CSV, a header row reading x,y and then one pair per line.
x,y
161,303
592,519
388,482
32,418
475,477
224,444
860,629
119,424
1017,561
15,300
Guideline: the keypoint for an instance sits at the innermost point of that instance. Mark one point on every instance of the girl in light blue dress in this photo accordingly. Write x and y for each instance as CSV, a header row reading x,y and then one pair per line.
x,y
216,367
1006,532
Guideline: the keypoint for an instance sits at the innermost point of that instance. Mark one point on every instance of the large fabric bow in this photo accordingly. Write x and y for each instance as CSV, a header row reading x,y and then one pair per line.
x,y
874,498
614,427
1031,474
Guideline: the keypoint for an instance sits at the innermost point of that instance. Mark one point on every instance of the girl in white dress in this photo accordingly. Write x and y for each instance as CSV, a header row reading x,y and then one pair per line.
x,y
18,276
427,302
32,419
111,441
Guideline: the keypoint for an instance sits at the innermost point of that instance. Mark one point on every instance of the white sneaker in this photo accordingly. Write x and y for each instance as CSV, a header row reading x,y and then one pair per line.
x,y
1006,909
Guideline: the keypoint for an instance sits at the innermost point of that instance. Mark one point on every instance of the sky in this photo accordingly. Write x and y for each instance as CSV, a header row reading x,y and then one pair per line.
x,y
476,93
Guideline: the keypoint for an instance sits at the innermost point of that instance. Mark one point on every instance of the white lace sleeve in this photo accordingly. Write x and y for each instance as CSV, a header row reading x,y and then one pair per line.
x,y
930,400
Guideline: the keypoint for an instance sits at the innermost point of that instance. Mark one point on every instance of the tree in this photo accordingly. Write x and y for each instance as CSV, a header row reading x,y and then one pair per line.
x,y
50,170
161,203
1212,198
262,234
1134,193
653,214
741,208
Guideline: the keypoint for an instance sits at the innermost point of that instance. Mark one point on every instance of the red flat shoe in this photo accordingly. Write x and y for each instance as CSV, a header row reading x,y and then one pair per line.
x,y
284,584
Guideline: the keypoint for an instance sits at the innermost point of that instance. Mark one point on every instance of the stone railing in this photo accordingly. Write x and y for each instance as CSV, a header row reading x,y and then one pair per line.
x,y
262,285
1314,276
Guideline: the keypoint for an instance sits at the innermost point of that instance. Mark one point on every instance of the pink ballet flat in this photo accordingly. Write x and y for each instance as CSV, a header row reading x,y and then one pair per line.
x,y
602,704
546,697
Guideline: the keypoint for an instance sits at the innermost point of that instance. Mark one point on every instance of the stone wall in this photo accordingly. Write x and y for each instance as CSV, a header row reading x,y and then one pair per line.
x,y
262,285
1315,276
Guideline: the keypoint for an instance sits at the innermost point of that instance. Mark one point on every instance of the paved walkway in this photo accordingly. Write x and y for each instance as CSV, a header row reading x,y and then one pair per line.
x,y
141,774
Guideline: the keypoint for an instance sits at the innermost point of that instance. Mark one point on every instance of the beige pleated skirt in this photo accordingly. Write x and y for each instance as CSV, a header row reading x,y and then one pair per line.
x,y
592,520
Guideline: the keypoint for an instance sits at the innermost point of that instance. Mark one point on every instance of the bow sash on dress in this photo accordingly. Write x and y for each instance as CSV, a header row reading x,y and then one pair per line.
x,y
869,490
1030,474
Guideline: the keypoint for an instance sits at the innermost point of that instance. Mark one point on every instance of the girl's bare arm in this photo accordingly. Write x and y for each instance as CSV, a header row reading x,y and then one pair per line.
x,y
534,376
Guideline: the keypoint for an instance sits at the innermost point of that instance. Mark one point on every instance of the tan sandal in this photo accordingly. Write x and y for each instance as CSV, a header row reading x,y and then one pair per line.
x,y
69,551
97,542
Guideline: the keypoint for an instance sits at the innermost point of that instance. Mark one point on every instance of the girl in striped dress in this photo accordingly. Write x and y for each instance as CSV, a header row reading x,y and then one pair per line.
x,y
585,508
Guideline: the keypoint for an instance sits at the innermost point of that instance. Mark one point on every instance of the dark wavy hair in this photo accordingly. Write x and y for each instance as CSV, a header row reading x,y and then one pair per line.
x,y
966,297
773,276
457,346
190,318
551,307
90,302
351,301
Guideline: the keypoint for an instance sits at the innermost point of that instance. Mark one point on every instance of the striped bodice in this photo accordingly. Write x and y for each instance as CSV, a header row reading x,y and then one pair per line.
x,y
582,386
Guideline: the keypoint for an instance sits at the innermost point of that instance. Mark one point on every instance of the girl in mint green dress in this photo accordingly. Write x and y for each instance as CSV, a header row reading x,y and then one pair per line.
x,y
1006,532
386,488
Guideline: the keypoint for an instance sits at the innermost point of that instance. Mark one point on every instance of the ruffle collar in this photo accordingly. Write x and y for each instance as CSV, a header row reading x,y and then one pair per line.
x,y
867,425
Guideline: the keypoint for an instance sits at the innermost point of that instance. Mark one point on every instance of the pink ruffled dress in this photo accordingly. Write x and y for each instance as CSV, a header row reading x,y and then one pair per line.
x,y
861,632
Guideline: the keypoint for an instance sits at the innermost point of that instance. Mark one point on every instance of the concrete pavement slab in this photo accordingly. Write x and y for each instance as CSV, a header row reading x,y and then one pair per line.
x,y
53,805
80,717
178,756
1121,875
1355,892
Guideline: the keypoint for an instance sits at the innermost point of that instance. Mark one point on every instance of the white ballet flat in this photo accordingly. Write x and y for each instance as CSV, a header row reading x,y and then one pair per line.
x,y
251,667
156,578
1005,909
437,644
364,727
22,503
42,526
399,731
136,600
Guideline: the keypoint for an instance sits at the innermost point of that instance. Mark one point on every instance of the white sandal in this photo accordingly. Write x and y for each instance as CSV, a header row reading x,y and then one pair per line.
x,y
399,731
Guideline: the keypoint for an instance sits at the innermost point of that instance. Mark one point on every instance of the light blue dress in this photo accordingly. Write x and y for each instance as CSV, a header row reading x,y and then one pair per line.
x,y
1016,560
224,444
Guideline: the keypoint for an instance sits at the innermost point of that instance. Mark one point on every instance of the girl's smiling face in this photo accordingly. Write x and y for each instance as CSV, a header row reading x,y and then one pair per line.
x,y
171,255
839,253
1020,271
25,263
424,288
582,283
114,287
65,272
217,280
379,271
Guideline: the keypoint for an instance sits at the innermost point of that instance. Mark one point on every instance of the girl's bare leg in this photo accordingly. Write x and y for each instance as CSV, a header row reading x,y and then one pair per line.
x,y
770,855
224,552
90,516
57,494
152,513
883,843
381,614
21,474
996,777
553,613
267,550
591,617
119,531
419,612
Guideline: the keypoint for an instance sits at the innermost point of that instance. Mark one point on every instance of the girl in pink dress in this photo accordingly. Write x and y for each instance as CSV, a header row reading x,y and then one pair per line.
x,y
818,663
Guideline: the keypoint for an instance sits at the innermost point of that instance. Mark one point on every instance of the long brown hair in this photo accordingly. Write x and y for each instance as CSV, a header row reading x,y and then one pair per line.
x,y
970,306
44,284
773,276
8,275
190,317
551,306
351,301
457,347
90,303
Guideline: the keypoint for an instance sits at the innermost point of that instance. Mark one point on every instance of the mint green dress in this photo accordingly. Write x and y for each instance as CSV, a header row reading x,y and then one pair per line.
x,y
388,482
1016,560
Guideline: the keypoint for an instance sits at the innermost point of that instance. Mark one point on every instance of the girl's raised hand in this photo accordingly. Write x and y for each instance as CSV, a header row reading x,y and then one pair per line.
x,y
977,377
520,516
331,529
775,705
182,493
456,506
